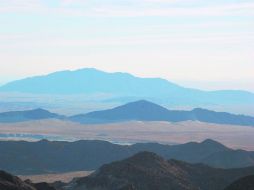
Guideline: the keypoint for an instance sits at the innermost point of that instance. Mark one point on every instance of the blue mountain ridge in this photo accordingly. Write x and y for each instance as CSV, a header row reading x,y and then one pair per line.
x,y
134,111
143,110
28,115
124,85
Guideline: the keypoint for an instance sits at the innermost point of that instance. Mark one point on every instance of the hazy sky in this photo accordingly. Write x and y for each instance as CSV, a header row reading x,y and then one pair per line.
x,y
207,44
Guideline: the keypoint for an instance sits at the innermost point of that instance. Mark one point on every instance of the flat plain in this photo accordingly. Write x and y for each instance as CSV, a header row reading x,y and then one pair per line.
x,y
238,137
50,178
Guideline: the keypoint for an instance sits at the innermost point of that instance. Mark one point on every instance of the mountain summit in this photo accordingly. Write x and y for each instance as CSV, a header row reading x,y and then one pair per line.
x,y
28,115
89,80
124,86
140,110
148,171
147,111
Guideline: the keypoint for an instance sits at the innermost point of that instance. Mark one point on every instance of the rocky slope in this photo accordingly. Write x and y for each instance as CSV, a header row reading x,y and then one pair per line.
x,y
148,171
10,182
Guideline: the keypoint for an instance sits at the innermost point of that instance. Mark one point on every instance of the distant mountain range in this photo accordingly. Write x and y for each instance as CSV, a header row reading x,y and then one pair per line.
x,y
148,111
60,156
148,171
28,115
135,111
123,87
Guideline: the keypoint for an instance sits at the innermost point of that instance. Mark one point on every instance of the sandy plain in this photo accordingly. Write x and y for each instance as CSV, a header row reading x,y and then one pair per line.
x,y
237,137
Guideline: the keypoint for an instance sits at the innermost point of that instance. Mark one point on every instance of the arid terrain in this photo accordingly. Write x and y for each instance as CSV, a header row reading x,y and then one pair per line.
x,y
241,137
50,178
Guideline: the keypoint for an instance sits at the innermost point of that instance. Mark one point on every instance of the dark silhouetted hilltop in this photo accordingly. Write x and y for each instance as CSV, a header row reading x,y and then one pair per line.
x,y
148,171
10,182
245,183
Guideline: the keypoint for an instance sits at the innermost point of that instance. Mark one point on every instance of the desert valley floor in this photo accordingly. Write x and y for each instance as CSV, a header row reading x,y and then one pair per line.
x,y
238,137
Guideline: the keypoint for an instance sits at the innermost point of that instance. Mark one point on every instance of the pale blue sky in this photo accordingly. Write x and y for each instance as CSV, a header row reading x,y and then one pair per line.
x,y
198,43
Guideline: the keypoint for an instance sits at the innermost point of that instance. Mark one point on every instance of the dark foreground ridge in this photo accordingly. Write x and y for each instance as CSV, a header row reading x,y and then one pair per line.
x,y
145,171
148,171
245,183
61,156
10,182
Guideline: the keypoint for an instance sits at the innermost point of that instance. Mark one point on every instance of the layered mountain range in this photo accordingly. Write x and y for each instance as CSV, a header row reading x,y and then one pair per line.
x,y
145,171
147,111
207,165
20,157
124,87
135,111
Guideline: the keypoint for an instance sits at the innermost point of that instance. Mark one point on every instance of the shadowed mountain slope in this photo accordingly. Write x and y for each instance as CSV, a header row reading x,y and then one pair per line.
x,y
10,182
148,171
245,183
59,156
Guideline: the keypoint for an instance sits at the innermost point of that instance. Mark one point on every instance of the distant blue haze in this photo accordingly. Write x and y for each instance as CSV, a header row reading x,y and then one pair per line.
x,y
126,87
